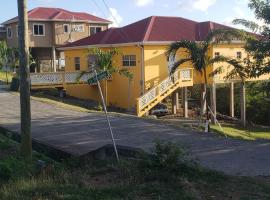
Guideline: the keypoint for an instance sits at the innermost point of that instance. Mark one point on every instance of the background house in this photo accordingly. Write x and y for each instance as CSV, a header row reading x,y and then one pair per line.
x,y
2,33
50,28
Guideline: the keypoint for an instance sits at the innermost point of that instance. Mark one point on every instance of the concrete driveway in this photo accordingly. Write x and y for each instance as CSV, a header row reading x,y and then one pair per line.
x,y
79,133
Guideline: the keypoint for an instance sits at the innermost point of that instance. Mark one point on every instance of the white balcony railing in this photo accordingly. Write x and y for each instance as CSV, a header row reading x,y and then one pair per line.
x,y
181,75
59,78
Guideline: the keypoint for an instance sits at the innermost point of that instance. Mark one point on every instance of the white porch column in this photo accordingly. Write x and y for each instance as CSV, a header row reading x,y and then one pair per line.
x,y
243,104
185,102
232,99
53,59
213,103
175,102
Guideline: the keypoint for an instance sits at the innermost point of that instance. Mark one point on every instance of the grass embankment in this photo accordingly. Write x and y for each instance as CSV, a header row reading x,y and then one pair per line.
x,y
158,177
3,77
237,131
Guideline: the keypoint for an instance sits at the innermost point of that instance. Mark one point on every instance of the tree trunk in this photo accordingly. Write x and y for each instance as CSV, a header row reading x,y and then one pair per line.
x,y
26,146
203,99
243,104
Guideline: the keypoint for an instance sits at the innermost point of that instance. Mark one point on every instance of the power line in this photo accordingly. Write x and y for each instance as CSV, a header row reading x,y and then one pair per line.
x,y
122,33
99,8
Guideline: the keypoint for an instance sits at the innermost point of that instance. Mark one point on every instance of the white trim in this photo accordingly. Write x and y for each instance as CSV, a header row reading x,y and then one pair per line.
x,y
153,43
36,24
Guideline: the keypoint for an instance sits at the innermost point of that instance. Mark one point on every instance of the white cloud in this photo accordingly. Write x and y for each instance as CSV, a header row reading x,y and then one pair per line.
x,y
142,3
201,5
115,17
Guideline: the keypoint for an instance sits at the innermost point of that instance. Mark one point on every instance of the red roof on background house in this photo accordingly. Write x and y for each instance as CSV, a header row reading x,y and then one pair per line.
x,y
152,29
59,14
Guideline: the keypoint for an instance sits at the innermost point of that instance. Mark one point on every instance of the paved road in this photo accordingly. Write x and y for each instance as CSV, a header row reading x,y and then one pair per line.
x,y
79,133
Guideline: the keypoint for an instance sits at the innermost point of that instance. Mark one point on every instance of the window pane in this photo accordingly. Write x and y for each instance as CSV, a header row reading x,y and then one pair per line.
x,y
133,57
9,33
35,29
77,63
129,60
92,30
239,54
98,29
126,63
66,28
41,30
132,63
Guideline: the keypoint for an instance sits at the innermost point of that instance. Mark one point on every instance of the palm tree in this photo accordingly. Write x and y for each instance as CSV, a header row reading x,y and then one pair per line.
x,y
199,56
102,61
26,146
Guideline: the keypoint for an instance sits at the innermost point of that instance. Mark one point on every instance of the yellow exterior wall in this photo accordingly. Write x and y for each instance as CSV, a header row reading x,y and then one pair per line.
x,y
124,95
156,64
120,92
230,50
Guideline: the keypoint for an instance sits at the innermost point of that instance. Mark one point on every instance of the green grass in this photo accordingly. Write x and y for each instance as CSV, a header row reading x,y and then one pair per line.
x,y
151,178
3,77
251,133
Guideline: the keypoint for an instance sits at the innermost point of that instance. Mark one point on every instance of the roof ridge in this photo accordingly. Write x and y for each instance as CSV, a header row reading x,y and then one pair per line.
x,y
57,14
149,28
33,10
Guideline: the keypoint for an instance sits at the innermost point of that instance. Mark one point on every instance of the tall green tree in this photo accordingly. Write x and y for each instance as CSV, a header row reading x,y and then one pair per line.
x,y
258,47
26,146
199,56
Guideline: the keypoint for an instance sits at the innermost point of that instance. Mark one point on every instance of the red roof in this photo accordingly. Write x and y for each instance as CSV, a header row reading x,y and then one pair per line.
x,y
58,14
152,29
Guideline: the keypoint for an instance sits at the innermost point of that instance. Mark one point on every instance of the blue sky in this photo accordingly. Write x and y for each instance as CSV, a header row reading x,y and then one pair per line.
x,y
127,11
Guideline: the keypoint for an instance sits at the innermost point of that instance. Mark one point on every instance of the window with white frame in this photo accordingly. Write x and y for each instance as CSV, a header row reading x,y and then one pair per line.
x,y
129,60
77,63
39,29
66,28
78,28
239,54
9,32
93,30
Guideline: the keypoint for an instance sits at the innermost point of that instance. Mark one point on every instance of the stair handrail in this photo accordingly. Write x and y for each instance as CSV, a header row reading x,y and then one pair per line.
x,y
180,75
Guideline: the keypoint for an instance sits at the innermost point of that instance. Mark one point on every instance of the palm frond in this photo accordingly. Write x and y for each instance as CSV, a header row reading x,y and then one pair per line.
x,y
224,35
190,46
178,63
218,59
253,26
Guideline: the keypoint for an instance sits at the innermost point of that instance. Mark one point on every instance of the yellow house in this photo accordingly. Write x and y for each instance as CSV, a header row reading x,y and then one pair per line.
x,y
143,45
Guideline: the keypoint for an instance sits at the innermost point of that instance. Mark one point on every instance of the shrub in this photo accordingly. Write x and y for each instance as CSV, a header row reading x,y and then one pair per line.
x,y
164,163
5,171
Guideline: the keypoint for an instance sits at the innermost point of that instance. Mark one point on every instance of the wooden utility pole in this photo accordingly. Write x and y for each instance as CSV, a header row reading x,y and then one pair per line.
x,y
26,147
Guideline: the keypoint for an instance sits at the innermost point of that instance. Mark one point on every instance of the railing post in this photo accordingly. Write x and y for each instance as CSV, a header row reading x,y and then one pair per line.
x,y
64,78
